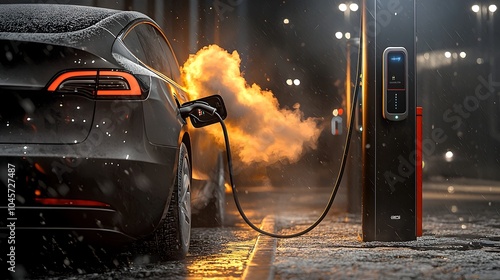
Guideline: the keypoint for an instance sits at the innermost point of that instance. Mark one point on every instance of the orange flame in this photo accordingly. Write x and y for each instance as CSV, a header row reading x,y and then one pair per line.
x,y
259,130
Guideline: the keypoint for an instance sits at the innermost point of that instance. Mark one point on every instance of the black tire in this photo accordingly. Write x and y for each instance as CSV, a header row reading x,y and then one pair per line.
x,y
171,240
212,215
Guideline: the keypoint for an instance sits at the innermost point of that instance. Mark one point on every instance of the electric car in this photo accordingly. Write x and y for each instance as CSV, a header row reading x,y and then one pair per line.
x,y
92,142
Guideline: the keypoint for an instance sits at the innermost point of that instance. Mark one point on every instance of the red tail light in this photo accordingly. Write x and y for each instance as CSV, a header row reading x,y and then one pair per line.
x,y
72,202
97,83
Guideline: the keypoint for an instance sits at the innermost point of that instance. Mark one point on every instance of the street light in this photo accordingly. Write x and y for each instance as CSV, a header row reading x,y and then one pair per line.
x,y
291,82
347,8
352,6
492,8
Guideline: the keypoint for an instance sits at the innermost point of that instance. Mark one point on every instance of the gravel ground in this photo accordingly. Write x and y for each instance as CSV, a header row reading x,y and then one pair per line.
x,y
461,241
453,246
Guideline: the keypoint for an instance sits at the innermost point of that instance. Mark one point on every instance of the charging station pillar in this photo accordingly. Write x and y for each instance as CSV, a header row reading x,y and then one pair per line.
x,y
389,210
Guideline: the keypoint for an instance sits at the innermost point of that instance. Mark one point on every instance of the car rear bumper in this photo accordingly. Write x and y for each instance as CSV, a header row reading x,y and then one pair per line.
x,y
97,225
114,194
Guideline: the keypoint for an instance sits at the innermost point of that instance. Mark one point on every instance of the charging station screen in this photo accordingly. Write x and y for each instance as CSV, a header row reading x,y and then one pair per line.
x,y
396,70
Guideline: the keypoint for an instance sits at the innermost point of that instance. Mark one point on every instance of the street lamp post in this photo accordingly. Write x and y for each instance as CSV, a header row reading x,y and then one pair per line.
x,y
347,8
487,13
354,162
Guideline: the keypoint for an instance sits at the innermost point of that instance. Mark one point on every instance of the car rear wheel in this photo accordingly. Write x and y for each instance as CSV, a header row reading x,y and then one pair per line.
x,y
177,227
171,240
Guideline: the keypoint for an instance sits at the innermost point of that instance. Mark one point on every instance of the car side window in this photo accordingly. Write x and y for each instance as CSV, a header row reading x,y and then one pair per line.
x,y
148,44
134,45
169,54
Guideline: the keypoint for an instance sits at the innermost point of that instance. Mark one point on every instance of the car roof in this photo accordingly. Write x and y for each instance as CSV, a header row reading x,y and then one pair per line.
x,y
88,28
41,18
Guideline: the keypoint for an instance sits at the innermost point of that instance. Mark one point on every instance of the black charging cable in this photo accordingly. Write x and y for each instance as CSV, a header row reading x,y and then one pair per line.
x,y
337,182
187,111
212,111
237,202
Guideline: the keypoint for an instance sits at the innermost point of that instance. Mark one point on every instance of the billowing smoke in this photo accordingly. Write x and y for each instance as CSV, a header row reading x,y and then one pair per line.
x,y
259,130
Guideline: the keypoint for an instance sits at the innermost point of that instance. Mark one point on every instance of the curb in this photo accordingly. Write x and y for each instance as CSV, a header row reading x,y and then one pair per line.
x,y
260,264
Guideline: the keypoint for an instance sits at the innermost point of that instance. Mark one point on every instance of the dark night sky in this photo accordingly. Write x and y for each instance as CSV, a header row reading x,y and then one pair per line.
x,y
305,48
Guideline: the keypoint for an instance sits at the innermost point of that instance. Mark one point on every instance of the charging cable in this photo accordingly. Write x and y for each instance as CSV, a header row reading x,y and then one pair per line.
x,y
212,111
330,201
